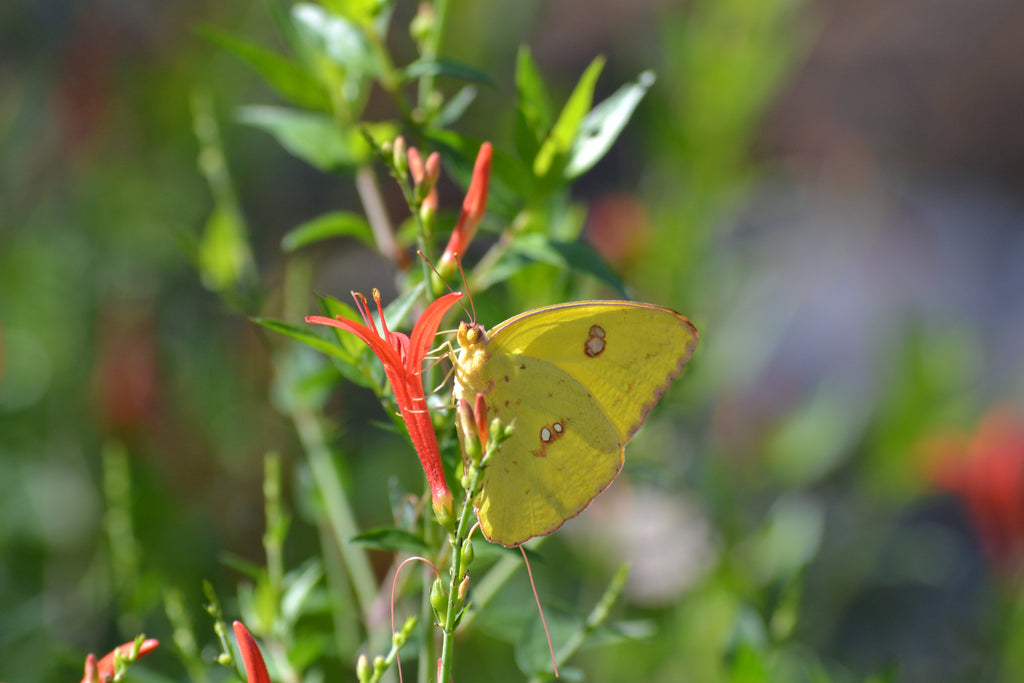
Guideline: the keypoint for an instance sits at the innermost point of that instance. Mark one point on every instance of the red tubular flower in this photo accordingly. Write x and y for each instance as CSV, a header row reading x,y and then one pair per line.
x,y
402,357
473,208
255,667
103,671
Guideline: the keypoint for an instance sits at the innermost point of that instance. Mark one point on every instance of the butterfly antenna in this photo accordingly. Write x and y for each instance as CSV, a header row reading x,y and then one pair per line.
x,y
540,610
458,261
465,282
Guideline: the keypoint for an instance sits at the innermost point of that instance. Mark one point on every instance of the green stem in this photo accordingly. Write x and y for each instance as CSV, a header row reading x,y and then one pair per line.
x,y
453,612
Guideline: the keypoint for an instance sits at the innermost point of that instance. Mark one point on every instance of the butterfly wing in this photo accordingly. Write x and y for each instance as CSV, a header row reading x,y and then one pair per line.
x,y
626,354
578,380
561,454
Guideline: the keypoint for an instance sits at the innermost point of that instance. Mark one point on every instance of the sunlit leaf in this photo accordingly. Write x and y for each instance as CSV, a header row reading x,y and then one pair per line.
x,y
223,253
299,585
533,107
554,151
361,12
334,224
396,540
603,124
336,37
287,78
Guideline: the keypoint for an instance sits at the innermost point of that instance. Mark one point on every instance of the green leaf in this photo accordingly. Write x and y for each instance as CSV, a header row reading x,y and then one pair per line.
x,y
456,107
603,124
533,107
445,67
284,76
314,138
334,224
556,147
361,12
577,256
337,38
223,252
396,311
306,337
333,308
300,584
396,540
510,179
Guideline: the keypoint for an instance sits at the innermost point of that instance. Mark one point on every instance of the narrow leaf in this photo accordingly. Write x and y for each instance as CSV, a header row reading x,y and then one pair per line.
x,y
456,107
334,224
284,76
445,67
533,107
558,143
308,338
603,124
395,540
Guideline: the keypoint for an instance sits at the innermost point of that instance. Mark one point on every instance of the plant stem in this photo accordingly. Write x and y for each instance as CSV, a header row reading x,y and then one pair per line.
x,y
457,571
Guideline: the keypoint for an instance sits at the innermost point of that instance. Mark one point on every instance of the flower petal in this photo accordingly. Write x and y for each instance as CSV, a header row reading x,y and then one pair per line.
x,y
425,330
255,667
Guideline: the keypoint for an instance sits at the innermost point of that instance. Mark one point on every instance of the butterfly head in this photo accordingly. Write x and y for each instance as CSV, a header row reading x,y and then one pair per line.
x,y
471,335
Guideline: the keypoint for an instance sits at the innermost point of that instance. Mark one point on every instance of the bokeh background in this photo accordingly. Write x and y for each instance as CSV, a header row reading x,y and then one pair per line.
x,y
831,191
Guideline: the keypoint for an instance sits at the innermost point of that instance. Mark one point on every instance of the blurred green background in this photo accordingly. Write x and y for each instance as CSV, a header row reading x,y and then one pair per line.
x,y
830,191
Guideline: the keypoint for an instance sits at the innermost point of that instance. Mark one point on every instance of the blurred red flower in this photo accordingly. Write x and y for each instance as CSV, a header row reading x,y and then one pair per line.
x,y
986,471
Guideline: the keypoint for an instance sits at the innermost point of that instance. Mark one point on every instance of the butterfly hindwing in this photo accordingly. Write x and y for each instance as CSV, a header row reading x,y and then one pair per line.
x,y
560,455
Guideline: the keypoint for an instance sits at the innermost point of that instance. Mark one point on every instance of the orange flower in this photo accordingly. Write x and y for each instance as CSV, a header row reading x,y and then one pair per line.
x,y
473,208
255,667
402,357
987,473
103,671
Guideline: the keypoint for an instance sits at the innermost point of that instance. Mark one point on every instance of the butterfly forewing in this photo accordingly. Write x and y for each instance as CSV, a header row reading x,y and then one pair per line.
x,y
625,354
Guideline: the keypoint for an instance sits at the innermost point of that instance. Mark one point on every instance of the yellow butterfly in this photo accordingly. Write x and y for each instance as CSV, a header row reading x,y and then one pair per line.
x,y
577,380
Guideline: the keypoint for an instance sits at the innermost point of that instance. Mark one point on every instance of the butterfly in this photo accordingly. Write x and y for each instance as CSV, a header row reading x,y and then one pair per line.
x,y
577,380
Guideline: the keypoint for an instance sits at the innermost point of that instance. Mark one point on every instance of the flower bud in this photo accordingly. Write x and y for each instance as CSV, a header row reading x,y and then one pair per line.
x,y
438,600
480,413
467,553
363,670
444,510
398,157
463,589
468,421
